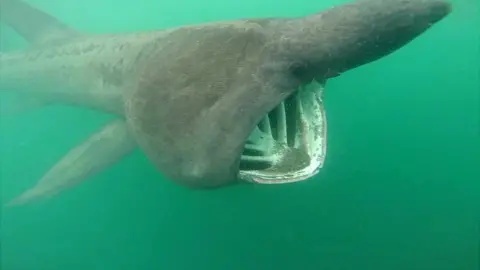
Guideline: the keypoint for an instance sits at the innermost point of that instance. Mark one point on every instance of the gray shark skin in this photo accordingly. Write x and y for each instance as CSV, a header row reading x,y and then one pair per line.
x,y
189,97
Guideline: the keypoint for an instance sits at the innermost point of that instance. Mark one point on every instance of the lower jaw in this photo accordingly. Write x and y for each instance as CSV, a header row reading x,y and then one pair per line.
x,y
289,143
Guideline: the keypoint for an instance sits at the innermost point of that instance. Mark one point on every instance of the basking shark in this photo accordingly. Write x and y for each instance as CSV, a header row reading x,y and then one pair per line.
x,y
212,104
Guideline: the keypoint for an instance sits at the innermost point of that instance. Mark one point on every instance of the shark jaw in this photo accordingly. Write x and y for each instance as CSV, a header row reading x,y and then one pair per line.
x,y
289,144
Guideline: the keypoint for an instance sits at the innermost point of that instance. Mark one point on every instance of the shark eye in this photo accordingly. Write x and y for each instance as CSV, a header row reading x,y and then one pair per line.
x,y
298,69
302,71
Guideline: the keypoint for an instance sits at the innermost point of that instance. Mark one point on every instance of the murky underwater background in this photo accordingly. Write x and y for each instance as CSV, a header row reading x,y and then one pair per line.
x,y
400,188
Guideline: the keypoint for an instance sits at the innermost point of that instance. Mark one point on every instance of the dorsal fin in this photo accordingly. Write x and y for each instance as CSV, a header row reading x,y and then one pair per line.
x,y
36,26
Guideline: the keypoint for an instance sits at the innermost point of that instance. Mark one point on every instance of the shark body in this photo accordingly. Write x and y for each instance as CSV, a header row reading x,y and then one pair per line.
x,y
87,71
193,97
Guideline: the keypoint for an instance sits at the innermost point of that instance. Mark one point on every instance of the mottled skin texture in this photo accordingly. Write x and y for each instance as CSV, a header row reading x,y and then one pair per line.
x,y
192,95
86,71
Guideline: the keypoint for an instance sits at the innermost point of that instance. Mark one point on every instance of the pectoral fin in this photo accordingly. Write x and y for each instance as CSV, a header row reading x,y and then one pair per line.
x,y
101,150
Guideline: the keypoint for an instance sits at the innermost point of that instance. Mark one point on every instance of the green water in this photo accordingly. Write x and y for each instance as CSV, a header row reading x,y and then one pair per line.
x,y
400,188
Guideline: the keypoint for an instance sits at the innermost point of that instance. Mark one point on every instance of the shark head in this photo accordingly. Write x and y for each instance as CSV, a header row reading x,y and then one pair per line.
x,y
242,101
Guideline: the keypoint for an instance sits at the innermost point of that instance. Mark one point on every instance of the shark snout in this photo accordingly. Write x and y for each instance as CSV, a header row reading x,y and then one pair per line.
x,y
424,13
380,27
438,10
348,36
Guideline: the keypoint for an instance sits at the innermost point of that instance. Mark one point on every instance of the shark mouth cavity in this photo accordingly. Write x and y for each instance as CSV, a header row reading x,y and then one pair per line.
x,y
289,144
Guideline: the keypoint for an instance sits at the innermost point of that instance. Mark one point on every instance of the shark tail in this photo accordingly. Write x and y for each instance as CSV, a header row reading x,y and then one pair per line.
x,y
36,26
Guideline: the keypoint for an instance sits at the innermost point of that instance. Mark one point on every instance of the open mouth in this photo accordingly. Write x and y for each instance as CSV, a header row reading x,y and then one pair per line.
x,y
289,143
